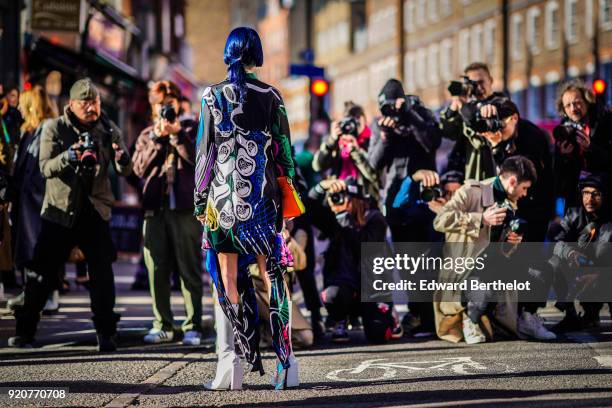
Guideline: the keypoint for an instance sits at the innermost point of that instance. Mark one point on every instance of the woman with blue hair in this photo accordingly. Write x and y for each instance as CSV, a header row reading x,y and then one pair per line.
x,y
243,150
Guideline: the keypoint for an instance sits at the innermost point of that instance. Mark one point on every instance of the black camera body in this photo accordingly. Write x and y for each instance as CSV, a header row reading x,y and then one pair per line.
x,y
474,120
513,223
89,152
568,131
466,88
167,112
349,126
427,194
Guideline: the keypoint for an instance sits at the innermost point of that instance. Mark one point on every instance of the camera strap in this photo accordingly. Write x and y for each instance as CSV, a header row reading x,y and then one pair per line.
x,y
5,132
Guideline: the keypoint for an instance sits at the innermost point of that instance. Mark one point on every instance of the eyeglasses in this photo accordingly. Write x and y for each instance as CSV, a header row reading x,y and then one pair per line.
x,y
592,194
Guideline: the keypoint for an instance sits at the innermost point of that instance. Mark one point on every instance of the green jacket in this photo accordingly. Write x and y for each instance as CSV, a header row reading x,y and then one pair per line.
x,y
65,189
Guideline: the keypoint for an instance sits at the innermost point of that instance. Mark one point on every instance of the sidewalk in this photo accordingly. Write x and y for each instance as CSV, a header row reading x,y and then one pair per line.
x,y
72,325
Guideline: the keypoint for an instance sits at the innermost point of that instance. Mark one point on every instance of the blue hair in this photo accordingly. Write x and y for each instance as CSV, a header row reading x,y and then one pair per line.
x,y
243,48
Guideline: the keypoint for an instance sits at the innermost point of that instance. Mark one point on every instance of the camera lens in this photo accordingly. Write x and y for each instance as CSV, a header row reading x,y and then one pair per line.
x,y
337,198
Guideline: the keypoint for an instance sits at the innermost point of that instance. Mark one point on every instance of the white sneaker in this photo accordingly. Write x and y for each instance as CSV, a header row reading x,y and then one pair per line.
x,y
16,302
530,326
472,332
156,336
192,338
2,292
52,304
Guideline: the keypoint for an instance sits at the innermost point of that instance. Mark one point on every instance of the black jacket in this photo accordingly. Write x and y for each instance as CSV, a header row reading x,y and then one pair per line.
x,y
401,155
596,159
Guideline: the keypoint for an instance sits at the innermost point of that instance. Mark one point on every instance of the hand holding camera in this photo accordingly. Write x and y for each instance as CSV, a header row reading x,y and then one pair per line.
x,y
167,123
494,215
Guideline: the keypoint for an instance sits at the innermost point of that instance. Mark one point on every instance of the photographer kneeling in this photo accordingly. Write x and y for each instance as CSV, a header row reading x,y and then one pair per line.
x,y
75,152
356,222
476,216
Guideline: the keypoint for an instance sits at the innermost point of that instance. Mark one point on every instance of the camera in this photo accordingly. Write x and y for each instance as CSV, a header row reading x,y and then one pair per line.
x,y
89,151
512,223
427,194
466,87
474,120
349,126
568,132
338,198
167,112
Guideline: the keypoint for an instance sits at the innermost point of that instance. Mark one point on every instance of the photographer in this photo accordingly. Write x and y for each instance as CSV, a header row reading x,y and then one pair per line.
x,y
475,88
581,230
506,135
356,221
75,152
476,216
405,142
344,151
164,159
583,140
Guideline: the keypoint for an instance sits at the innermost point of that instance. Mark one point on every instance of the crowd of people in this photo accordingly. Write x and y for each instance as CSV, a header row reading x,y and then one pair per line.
x,y
368,181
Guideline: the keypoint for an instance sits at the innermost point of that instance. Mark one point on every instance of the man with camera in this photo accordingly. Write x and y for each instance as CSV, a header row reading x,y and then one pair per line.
x,y
475,88
345,151
404,141
482,212
583,139
583,239
75,152
164,159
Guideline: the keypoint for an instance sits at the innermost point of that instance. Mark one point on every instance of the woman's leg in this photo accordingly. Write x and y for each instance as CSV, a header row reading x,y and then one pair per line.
x,y
228,263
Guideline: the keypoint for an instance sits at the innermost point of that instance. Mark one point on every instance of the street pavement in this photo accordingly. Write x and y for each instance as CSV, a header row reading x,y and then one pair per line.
x,y
575,370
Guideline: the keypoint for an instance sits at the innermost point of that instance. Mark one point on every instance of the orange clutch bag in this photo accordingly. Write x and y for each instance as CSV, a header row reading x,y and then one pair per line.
x,y
292,203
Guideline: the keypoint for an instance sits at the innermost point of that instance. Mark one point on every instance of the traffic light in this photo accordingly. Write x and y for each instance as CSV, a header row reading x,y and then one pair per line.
x,y
319,90
599,89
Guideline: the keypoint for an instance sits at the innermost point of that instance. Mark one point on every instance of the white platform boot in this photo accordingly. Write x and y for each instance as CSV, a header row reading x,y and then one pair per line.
x,y
229,370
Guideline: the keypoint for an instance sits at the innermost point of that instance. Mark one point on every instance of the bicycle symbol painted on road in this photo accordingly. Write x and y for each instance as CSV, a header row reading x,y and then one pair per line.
x,y
379,370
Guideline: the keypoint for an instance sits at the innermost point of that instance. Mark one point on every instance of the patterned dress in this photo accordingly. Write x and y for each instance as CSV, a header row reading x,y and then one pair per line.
x,y
242,149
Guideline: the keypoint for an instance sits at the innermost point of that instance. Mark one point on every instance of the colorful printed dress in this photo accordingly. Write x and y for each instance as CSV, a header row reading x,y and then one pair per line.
x,y
242,149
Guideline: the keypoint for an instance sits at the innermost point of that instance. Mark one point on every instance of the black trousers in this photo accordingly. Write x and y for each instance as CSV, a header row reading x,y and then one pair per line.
x,y
92,235
377,318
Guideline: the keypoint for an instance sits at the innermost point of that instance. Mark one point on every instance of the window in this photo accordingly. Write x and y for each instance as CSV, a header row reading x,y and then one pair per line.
x,y
605,14
432,65
571,21
432,10
420,68
464,45
489,42
588,19
552,25
420,12
446,8
477,42
409,10
446,59
409,72
517,28
533,37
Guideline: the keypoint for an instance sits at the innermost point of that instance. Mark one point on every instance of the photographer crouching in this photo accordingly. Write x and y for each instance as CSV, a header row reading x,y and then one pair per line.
x,y
75,152
356,221
480,213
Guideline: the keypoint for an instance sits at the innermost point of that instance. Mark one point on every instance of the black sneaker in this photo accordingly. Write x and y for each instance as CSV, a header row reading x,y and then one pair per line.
x,y
107,343
340,334
569,323
21,342
590,320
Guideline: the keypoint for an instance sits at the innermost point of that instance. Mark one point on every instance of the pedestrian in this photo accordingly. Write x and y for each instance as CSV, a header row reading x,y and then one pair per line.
x,y
244,159
164,159
76,151
28,182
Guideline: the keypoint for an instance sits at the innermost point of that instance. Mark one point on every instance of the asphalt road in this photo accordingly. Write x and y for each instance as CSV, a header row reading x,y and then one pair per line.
x,y
573,371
